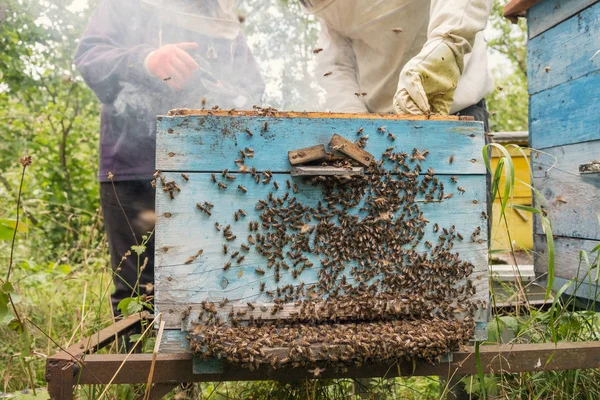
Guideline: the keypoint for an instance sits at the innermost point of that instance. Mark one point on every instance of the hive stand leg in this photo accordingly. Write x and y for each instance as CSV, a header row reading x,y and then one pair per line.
x,y
59,374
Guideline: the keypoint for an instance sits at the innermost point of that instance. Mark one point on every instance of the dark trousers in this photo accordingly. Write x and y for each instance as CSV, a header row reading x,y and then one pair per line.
x,y
125,227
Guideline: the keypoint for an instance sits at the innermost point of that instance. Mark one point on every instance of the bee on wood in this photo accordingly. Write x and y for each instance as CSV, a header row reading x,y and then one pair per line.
x,y
275,185
230,238
185,176
295,189
236,216
230,177
242,188
223,302
217,226
327,73
451,159
397,30
391,136
259,271
265,127
382,129
249,132
234,255
436,227
251,306
240,259
317,50
454,179
213,177
245,247
360,131
225,249
222,185
459,236
215,107
227,266
242,212
251,240
461,189
484,215
447,196
262,286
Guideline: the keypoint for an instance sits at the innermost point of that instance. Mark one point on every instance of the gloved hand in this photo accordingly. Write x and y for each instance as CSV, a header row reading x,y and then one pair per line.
x,y
428,81
172,64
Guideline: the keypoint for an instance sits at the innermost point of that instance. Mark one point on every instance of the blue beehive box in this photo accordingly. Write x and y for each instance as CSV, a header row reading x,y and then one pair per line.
x,y
564,124
194,145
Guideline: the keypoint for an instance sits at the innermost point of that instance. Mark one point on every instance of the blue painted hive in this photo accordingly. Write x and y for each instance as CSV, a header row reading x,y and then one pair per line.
x,y
240,241
564,87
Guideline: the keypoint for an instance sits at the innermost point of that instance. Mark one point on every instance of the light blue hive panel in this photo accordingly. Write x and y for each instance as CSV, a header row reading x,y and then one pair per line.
x,y
201,143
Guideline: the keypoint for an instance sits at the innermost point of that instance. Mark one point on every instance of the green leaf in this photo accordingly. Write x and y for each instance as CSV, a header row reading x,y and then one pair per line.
x,y
123,304
15,325
135,307
530,209
139,249
8,287
3,304
130,305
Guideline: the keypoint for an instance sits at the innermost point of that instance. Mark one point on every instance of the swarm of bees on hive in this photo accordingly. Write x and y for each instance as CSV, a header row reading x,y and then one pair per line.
x,y
383,292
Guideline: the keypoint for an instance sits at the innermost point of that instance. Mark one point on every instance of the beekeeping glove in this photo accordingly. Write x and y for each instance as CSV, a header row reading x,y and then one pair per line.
x,y
428,81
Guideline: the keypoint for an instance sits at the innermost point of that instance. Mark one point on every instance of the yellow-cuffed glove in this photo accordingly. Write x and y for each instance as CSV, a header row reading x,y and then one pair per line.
x,y
428,81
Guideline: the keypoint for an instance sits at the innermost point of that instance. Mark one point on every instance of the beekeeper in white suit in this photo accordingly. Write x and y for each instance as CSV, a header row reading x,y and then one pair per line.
x,y
408,56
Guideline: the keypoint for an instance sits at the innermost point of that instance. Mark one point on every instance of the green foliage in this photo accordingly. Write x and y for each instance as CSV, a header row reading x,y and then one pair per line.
x,y
508,104
282,37
47,110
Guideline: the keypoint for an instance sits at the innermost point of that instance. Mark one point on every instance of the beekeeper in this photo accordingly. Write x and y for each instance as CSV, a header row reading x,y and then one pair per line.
x,y
403,56
143,58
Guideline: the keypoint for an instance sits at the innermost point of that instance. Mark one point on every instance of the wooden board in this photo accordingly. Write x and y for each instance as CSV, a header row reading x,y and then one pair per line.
x,y
566,114
565,52
305,114
571,199
184,230
518,8
549,13
202,145
568,265
212,143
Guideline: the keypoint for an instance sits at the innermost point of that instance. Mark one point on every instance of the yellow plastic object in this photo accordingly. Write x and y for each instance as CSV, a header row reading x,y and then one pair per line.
x,y
520,223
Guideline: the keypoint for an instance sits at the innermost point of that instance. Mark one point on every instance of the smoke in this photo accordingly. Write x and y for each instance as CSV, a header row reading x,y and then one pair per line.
x,y
254,52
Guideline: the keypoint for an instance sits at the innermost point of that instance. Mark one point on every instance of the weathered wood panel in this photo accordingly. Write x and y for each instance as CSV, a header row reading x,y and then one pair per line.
x,y
566,114
212,143
182,230
571,199
565,52
204,145
568,264
547,14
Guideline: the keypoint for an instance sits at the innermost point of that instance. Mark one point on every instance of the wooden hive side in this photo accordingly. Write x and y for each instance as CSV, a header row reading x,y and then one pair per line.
x,y
201,145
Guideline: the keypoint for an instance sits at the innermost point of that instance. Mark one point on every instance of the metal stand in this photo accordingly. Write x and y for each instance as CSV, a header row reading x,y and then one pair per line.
x,y
77,365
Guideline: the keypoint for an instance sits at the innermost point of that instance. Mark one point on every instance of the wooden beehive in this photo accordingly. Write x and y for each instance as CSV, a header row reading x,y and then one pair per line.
x,y
201,143
564,122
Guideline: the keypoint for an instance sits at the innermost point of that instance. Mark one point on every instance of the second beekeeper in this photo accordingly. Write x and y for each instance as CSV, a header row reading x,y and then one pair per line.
x,y
404,56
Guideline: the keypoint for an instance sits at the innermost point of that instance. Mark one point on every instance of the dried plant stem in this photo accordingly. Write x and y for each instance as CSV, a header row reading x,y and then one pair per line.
x,y
14,238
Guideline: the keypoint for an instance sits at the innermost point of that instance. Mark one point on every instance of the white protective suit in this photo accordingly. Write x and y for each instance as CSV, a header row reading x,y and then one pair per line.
x,y
367,43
